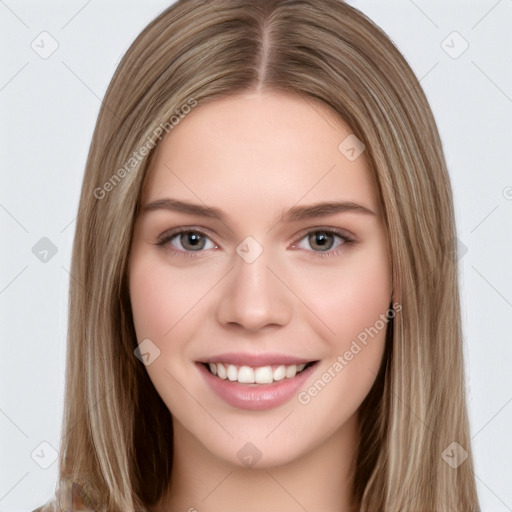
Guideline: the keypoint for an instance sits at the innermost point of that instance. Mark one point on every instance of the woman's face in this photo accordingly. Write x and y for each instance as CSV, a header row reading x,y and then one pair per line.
x,y
260,250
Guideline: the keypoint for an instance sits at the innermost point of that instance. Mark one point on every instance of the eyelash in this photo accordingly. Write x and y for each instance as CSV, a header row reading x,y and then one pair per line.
x,y
168,236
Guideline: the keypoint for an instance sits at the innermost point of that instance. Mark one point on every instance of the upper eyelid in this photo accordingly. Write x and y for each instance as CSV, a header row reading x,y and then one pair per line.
x,y
171,233
342,233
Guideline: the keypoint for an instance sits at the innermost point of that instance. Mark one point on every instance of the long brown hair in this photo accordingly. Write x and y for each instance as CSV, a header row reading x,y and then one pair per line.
x,y
116,446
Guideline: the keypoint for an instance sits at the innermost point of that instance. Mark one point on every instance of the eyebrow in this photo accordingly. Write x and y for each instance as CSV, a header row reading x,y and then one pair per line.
x,y
296,213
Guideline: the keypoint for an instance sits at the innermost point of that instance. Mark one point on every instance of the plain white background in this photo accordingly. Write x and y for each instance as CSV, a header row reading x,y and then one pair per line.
x,y
49,105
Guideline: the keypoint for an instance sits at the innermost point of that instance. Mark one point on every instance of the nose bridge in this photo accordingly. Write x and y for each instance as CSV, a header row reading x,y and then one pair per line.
x,y
253,297
253,278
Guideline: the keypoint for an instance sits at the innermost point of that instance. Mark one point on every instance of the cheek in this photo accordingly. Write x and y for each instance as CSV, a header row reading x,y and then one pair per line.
x,y
352,296
352,300
161,297
151,300
163,301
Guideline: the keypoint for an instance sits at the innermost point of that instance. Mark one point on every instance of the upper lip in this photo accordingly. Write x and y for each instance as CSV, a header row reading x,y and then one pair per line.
x,y
256,360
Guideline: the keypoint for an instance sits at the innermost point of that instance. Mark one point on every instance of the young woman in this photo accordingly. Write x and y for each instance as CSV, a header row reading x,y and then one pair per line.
x,y
264,308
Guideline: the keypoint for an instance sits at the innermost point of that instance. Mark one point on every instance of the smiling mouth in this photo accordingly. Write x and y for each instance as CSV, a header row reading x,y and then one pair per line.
x,y
268,374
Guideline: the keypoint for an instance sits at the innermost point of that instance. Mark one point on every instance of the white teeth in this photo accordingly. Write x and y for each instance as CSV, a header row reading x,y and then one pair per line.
x,y
221,371
263,375
246,375
280,372
232,372
290,371
259,375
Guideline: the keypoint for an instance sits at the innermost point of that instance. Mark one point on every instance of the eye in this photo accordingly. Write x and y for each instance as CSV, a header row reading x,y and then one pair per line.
x,y
187,241
323,240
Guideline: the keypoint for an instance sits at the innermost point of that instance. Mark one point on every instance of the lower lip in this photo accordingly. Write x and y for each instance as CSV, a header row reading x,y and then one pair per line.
x,y
256,397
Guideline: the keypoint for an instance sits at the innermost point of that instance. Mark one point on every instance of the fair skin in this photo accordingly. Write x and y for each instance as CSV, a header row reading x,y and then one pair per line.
x,y
307,295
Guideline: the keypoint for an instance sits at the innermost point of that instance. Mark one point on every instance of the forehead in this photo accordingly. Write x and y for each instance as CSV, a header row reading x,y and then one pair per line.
x,y
257,151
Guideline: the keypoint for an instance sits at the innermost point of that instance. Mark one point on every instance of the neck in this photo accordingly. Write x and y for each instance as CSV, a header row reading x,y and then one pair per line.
x,y
319,480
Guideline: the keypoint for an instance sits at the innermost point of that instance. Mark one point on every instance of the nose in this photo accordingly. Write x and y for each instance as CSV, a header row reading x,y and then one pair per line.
x,y
253,298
